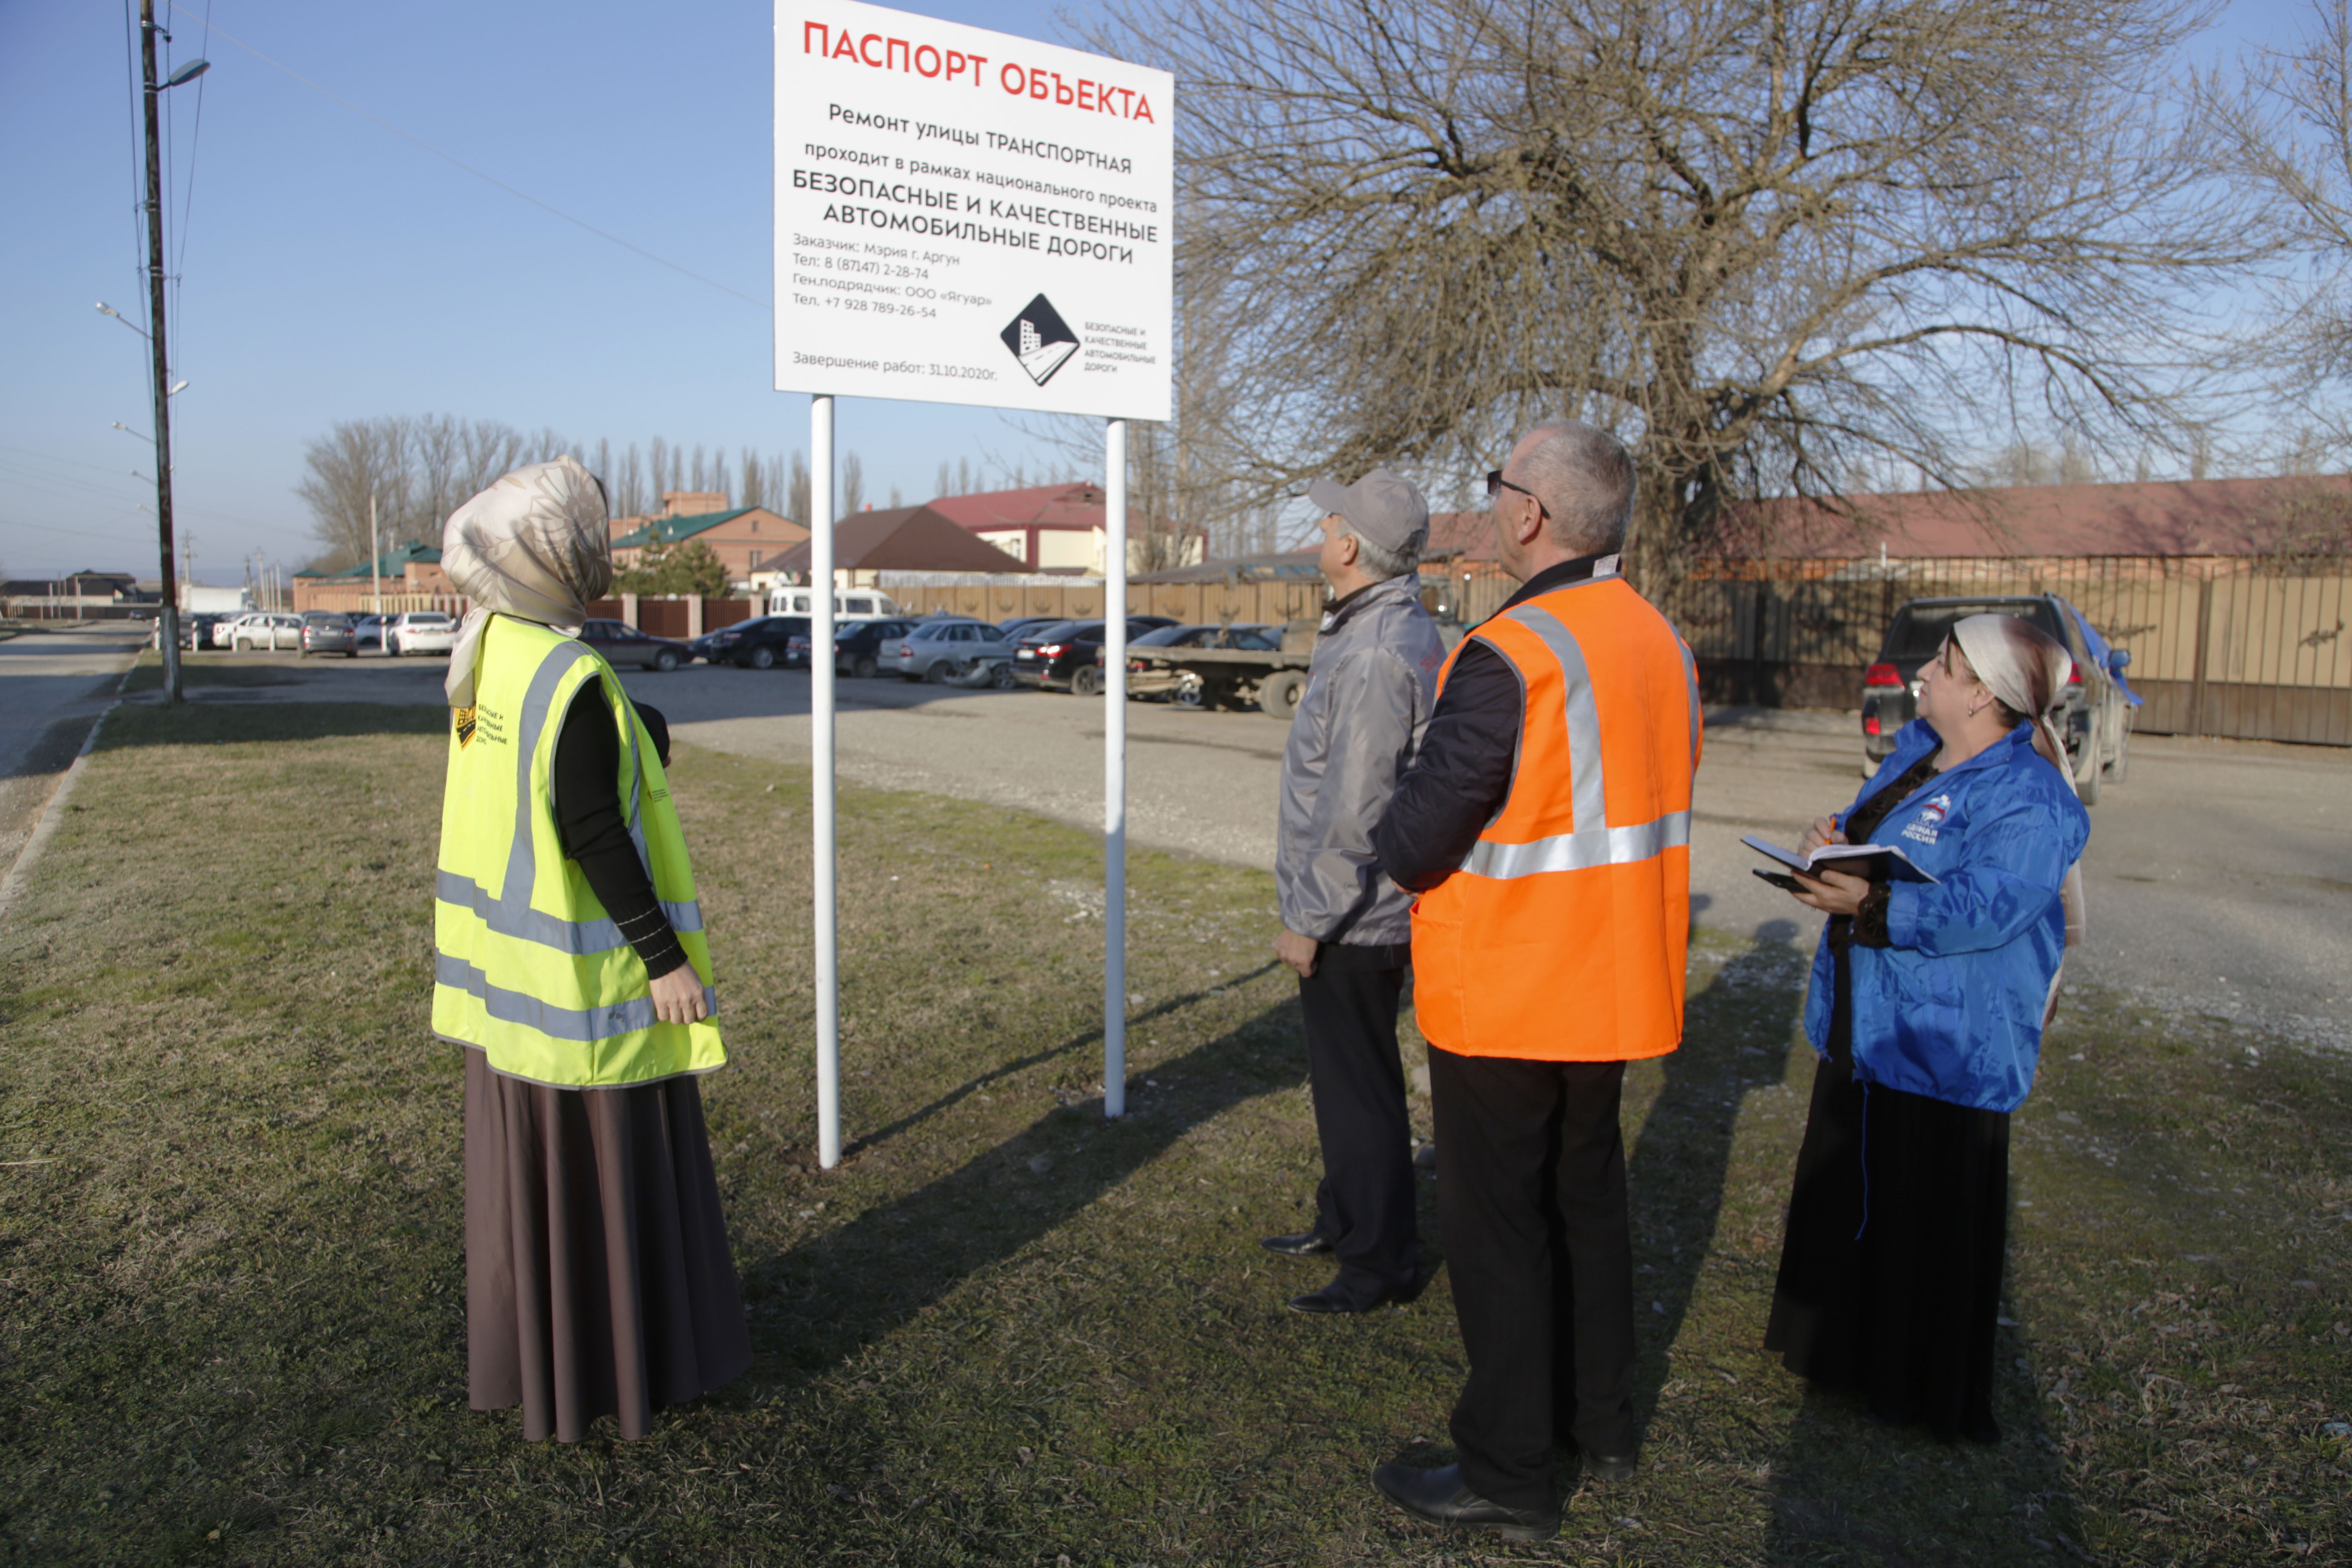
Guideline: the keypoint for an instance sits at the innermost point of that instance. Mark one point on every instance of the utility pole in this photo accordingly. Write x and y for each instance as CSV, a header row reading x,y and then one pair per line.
x,y
168,629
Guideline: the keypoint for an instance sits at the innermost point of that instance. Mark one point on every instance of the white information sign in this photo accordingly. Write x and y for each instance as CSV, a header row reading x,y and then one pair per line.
x,y
966,216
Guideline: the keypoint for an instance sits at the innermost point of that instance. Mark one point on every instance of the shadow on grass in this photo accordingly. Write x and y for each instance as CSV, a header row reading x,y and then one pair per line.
x,y
1737,1037
819,1302
136,724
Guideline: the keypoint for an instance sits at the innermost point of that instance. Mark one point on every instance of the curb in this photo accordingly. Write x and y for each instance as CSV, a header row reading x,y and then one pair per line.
x,y
19,874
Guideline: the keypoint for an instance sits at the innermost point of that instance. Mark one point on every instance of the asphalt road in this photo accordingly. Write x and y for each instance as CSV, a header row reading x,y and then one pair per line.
x,y
52,686
2218,877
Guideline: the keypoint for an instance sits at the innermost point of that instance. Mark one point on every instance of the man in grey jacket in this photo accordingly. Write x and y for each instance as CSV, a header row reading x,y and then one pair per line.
x,y
1346,929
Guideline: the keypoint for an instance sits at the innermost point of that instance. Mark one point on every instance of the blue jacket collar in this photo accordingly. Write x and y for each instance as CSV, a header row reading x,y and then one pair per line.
x,y
1918,738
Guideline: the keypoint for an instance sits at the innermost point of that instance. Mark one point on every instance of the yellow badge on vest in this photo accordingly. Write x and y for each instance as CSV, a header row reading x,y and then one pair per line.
x,y
464,717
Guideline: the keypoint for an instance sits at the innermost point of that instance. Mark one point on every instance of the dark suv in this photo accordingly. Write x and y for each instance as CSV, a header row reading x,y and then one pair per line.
x,y
2096,708
1069,654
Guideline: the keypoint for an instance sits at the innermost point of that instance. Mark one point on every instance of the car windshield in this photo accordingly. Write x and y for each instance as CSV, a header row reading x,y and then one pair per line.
x,y
1919,629
1255,640
428,618
1169,637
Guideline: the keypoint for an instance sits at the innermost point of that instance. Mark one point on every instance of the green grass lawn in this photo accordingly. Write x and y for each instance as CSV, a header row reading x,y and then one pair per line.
x,y
1004,1331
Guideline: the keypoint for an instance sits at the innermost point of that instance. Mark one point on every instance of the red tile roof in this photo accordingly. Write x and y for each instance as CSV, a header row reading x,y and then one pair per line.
x,y
1039,506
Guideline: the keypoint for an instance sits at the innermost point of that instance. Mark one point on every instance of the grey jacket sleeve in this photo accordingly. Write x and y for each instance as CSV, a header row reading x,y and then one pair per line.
x,y
1372,710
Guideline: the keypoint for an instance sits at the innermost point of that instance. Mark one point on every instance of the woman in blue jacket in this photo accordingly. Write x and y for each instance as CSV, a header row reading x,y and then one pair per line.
x,y
1926,1005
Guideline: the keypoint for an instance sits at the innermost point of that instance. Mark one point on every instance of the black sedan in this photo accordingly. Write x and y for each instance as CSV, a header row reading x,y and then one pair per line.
x,y
1068,655
622,643
858,645
760,644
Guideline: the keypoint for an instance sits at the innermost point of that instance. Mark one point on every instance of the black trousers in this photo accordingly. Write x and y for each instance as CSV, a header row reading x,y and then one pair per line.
x,y
1365,1204
1531,1194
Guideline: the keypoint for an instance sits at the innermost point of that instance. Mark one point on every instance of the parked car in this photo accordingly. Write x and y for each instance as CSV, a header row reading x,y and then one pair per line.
x,y
2096,721
195,630
1020,627
324,632
367,630
272,629
1149,681
858,646
622,643
762,643
224,630
933,651
1068,655
420,631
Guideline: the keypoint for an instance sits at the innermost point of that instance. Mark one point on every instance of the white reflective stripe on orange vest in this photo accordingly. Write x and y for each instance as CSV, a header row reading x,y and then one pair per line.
x,y
1594,842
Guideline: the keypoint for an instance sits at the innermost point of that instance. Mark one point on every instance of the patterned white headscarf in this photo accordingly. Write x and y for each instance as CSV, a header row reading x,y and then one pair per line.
x,y
536,545
2027,669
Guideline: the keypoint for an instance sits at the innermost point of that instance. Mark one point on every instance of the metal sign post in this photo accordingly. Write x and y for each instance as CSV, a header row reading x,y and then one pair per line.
x,y
1115,769
821,783
966,217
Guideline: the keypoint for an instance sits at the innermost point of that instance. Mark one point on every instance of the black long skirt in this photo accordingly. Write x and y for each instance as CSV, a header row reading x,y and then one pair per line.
x,y
598,1277
1890,1270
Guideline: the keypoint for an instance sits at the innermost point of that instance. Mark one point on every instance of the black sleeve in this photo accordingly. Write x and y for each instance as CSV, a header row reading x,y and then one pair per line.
x,y
589,820
1460,777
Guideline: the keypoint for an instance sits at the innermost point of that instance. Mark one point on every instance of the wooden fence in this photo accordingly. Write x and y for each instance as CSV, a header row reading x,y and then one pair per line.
x,y
2242,653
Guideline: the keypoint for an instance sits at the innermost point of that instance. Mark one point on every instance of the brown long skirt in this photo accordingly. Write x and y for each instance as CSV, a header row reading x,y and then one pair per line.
x,y
598,1280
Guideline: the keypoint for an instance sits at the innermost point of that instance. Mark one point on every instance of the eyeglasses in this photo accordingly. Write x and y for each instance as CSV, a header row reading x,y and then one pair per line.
x,y
1497,484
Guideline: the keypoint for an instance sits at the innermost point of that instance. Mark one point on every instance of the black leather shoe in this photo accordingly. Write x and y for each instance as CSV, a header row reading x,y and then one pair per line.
x,y
1439,1497
1336,1297
1608,1466
1305,1244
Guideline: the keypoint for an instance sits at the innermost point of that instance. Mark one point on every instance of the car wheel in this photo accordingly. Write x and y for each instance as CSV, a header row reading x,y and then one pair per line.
x,y
1277,694
1004,678
938,672
864,668
763,658
1085,681
1188,695
666,660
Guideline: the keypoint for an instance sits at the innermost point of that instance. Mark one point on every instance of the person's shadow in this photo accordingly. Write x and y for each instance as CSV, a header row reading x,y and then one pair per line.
x,y
1737,1038
816,1303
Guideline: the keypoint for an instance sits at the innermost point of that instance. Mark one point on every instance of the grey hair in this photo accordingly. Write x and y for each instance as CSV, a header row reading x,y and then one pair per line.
x,y
1585,476
1381,564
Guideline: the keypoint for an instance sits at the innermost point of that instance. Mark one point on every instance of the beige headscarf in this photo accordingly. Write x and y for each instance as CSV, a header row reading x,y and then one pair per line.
x,y
536,545
2027,669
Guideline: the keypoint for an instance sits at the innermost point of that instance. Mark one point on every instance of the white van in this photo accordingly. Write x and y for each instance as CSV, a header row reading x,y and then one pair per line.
x,y
848,603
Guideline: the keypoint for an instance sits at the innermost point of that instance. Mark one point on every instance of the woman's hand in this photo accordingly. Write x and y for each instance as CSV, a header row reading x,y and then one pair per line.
x,y
1824,830
1832,892
678,997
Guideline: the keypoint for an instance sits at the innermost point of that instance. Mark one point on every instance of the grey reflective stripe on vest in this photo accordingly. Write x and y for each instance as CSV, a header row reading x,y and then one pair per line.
x,y
509,913
525,923
1592,842
579,1025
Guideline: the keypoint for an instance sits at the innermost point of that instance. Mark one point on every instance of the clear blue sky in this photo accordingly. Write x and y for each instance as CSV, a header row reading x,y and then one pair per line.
x,y
331,270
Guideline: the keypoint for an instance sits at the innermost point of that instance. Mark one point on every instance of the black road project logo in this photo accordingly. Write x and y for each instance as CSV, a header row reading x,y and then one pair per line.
x,y
1041,339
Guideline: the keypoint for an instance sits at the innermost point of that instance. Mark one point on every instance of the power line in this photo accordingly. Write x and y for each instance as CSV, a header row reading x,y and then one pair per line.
x,y
460,163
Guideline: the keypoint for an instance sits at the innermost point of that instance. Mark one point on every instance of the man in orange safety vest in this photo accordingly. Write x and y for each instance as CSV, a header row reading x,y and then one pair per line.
x,y
1545,825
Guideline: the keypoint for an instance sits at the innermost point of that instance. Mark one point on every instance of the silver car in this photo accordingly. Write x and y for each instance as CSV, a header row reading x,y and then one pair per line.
x,y
933,651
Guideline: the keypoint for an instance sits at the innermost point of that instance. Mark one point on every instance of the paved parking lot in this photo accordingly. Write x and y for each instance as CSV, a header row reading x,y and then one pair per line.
x,y
2219,877
52,684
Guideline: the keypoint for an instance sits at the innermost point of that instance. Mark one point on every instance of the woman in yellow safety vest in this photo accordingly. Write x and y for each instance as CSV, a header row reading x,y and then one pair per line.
x,y
570,961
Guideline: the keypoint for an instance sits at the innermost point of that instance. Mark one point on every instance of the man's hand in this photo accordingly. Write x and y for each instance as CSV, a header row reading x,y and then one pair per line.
x,y
1832,892
678,997
1297,951
1824,830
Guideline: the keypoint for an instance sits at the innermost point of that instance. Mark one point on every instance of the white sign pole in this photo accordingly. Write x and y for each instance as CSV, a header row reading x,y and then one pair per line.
x,y
828,976
1115,769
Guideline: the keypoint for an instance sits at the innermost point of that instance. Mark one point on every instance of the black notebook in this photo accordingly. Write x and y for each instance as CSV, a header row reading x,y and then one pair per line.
x,y
1879,862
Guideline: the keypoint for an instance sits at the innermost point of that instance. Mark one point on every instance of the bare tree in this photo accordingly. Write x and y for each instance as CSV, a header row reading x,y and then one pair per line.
x,y
418,470
1769,242
796,501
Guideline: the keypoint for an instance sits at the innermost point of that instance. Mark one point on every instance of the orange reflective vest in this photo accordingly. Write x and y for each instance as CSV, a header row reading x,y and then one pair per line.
x,y
1563,936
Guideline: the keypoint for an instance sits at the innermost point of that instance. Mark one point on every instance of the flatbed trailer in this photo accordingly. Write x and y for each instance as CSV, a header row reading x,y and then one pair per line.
x,y
1239,678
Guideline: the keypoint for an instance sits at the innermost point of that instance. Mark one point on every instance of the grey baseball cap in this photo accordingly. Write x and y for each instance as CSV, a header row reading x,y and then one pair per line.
x,y
1382,508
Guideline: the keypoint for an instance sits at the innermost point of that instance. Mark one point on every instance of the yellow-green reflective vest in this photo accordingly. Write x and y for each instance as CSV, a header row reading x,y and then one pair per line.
x,y
528,965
